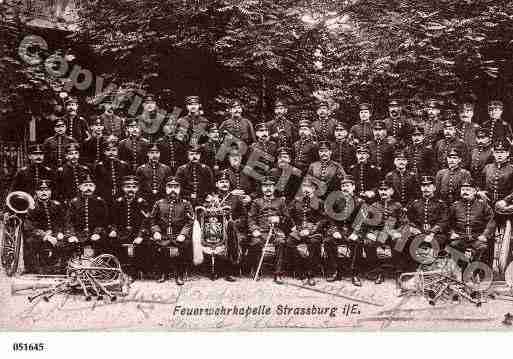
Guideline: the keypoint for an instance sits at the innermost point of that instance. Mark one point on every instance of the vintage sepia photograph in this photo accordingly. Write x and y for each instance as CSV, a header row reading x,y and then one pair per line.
x,y
255,165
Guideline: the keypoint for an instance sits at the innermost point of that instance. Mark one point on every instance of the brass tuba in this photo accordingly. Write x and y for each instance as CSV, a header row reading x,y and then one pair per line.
x,y
19,202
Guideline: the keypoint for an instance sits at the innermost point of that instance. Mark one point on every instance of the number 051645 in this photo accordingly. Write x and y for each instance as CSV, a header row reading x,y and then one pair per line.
x,y
28,347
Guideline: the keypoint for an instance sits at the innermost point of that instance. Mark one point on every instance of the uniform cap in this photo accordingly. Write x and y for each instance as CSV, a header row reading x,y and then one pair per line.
x,y
190,100
365,106
399,154
153,147
268,181
304,123
347,178
324,145
284,151
194,148
418,131
37,148
131,121
59,122
340,127
495,104
384,184
500,146
223,176
468,183
453,153
171,180
72,146
427,180
44,184
362,148
394,102
262,126
87,179
131,179
379,125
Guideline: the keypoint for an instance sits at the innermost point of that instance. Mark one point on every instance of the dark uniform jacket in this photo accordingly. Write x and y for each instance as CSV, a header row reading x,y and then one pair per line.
x,y
383,214
172,152
27,178
467,132
304,215
366,177
55,150
68,180
172,217
88,216
151,178
497,180
288,182
442,148
399,128
479,157
46,216
240,128
133,150
129,218
471,219
260,211
282,131
113,125
498,130
448,183
305,152
196,127
406,187
362,132
76,127
239,180
421,158
433,130
428,215
263,152
351,220
382,155
344,153
324,129
328,172
108,175
209,152
92,150
197,180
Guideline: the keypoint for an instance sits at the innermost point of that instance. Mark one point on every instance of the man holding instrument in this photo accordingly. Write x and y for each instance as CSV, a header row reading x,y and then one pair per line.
x,y
267,222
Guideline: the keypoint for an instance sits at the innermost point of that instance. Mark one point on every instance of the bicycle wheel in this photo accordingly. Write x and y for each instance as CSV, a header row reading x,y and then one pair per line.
x,y
11,238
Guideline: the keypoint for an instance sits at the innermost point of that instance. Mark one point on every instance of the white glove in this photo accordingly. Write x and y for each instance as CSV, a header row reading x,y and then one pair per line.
x,y
180,238
138,240
95,237
157,236
113,234
353,237
337,235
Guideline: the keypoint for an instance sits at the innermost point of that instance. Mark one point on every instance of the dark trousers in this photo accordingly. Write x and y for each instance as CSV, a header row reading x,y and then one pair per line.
x,y
255,247
309,263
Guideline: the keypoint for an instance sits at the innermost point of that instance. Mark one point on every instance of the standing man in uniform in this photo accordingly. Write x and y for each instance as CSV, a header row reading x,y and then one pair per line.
x,y
133,149
211,149
324,126
361,132
496,180
76,125
288,178
92,149
173,151
27,178
481,153
403,181
365,174
396,123
238,126
68,180
498,129
326,170
467,127
343,150
420,154
55,146
381,148
449,180
281,129
264,151
194,122
152,175
113,124
450,141
432,123
305,149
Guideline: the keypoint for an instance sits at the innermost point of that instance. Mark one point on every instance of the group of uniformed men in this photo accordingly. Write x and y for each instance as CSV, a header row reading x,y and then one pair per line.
x,y
105,186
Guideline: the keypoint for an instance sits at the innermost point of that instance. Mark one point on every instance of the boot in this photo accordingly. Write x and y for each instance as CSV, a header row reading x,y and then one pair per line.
x,y
380,278
230,278
278,279
356,281
311,281
162,278
179,279
334,277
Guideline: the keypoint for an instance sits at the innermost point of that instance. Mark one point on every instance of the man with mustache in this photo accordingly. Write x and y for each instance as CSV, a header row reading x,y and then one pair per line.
x,y
481,153
129,218
472,224
263,151
381,148
27,178
173,149
428,216
498,129
343,150
450,141
366,175
467,127
402,180
396,123
110,172
44,228
211,148
449,180
420,154
171,229
194,122
288,178
133,149
88,218
241,182
267,211
113,124
281,129
305,149
361,132
196,179
92,149
151,120
152,175
326,170
238,126
496,179
55,146
431,121
343,242
324,127
72,174
76,125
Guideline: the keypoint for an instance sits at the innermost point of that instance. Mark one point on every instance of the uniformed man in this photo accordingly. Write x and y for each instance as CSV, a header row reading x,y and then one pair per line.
x,y
381,148
344,151
210,149
361,132
324,126
268,215
498,129
282,130
133,148
109,173
69,179
194,122
238,126
152,176
88,217
428,216
93,147
344,236
420,154
44,228
288,178
236,231
382,232
196,179
305,149
76,126
309,225
496,180
151,120
467,126
241,182
171,228
472,224
326,170
264,151
27,178
113,124
365,174
449,180
450,141
403,181
55,146
173,150
396,123
481,153
127,233
432,122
